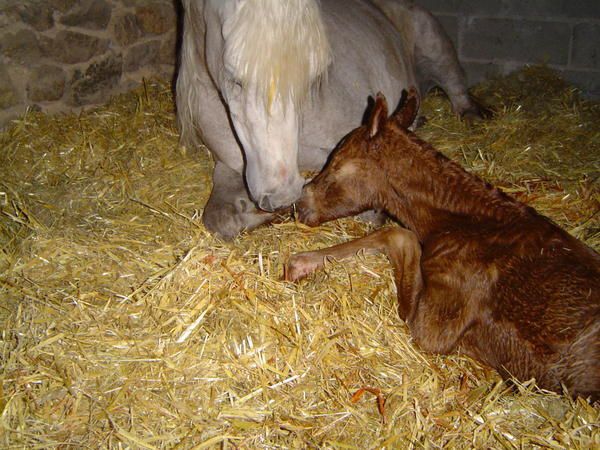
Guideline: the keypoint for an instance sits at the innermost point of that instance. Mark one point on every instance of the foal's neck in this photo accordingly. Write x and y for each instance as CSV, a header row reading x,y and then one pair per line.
x,y
429,193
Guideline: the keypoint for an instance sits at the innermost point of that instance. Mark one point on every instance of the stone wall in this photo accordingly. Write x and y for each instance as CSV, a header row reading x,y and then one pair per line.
x,y
499,36
62,54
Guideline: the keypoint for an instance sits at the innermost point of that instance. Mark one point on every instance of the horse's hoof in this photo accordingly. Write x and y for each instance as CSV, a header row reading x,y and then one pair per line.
x,y
222,222
476,111
227,221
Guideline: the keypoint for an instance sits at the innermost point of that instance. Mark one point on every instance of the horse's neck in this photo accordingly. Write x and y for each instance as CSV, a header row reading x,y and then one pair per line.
x,y
429,193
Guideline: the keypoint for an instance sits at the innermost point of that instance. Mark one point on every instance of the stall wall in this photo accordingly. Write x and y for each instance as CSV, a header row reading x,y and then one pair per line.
x,y
59,55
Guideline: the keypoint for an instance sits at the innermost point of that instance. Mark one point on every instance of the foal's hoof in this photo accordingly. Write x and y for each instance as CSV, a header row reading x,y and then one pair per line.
x,y
372,217
300,265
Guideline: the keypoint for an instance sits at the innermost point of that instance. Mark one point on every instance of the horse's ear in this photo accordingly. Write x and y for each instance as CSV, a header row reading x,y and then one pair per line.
x,y
378,116
407,110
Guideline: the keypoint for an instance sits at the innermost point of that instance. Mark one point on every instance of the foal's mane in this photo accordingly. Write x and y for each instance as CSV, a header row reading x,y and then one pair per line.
x,y
478,197
279,46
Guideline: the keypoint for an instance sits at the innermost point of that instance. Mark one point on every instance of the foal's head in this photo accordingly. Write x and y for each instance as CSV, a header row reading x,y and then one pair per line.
x,y
354,174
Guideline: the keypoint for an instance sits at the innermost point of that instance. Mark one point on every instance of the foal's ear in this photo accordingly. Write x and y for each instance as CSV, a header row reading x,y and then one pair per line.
x,y
407,110
378,116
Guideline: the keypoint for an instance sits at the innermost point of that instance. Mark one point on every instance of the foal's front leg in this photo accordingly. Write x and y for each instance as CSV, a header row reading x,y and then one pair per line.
x,y
401,246
438,314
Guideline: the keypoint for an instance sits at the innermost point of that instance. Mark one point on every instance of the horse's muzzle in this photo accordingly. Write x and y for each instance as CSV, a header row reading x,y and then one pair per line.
x,y
275,203
266,203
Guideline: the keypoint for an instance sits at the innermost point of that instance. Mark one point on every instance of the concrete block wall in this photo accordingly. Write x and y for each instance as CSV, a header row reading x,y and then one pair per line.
x,y
59,55
499,36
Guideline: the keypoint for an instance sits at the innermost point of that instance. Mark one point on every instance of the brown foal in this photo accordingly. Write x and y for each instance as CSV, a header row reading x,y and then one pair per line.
x,y
476,271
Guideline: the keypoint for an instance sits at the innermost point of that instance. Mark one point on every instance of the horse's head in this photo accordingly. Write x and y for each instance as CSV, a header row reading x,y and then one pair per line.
x,y
273,53
269,137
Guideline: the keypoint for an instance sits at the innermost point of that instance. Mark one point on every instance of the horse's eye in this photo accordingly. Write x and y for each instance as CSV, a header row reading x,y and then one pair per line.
x,y
232,89
234,84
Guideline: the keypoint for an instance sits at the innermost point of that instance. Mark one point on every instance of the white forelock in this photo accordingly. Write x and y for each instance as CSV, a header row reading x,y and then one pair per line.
x,y
279,47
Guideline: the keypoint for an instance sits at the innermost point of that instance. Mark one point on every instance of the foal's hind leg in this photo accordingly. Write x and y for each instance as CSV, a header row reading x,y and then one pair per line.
x,y
401,246
229,210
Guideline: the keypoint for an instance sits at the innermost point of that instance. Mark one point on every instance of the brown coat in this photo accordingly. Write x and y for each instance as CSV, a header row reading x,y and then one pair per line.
x,y
476,270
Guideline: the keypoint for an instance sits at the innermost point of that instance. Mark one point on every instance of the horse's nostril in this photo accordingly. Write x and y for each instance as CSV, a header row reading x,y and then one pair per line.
x,y
265,203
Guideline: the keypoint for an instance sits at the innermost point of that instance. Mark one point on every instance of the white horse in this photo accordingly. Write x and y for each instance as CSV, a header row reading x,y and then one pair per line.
x,y
270,87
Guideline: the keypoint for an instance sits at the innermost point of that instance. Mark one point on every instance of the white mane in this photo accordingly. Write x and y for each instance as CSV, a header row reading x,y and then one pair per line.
x,y
280,46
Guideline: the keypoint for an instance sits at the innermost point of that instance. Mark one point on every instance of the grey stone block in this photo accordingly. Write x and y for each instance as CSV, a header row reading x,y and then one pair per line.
x,y
39,16
146,2
21,47
140,55
168,50
450,24
93,85
477,71
516,8
586,45
72,47
516,40
563,9
46,83
94,14
8,93
156,17
5,21
587,81
583,9
62,5
461,6
127,29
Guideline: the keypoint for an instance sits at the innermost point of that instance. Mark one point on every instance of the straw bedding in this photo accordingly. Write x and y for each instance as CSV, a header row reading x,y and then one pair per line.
x,y
124,324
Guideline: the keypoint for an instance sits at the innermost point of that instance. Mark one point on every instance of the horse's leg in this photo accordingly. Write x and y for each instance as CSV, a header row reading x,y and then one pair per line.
x,y
203,118
229,209
437,63
435,56
400,245
442,317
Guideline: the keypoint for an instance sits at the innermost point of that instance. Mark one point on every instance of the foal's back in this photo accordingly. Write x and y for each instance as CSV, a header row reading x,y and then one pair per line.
x,y
528,291
539,314
542,316
474,268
